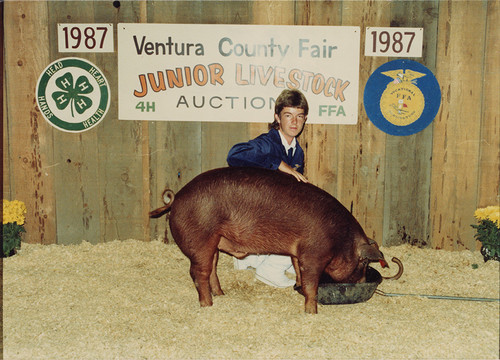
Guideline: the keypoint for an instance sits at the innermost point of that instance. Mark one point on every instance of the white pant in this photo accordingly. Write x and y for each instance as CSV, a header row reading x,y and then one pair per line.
x,y
270,269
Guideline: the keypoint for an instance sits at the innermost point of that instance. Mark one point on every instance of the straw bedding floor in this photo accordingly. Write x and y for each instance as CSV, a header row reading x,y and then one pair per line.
x,y
135,300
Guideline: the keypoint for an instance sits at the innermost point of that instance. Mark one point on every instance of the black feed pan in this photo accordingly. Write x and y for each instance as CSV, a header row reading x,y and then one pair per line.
x,y
330,293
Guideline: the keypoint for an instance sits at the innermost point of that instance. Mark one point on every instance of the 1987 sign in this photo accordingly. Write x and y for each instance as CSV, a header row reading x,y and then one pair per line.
x,y
85,37
393,41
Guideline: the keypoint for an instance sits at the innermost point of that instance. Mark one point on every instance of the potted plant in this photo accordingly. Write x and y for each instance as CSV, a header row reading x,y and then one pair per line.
x,y
488,231
13,221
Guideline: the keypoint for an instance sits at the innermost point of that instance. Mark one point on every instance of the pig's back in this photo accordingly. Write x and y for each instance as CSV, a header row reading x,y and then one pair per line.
x,y
255,190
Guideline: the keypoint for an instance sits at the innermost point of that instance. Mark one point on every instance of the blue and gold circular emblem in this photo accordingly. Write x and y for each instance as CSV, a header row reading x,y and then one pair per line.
x,y
402,97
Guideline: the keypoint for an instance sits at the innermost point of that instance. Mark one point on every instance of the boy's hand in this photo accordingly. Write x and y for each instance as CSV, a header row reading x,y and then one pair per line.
x,y
284,167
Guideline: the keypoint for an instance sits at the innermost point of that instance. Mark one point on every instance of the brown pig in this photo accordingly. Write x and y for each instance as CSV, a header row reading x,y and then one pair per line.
x,y
245,211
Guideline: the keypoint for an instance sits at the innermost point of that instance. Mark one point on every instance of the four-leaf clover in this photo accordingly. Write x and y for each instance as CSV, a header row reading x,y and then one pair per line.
x,y
73,94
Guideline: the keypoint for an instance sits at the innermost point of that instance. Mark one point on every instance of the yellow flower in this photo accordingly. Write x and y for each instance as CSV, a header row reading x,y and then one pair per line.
x,y
491,213
479,214
13,211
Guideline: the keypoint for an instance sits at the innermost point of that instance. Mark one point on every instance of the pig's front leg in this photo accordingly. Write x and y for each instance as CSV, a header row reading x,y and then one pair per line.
x,y
310,290
310,280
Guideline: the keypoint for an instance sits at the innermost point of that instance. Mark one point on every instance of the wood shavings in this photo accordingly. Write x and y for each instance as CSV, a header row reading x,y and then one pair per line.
x,y
136,300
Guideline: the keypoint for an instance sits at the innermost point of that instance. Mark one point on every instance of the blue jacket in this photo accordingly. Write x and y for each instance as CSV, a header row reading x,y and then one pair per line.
x,y
265,151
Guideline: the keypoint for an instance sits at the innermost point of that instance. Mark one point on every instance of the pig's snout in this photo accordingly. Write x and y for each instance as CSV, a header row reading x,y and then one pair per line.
x,y
383,263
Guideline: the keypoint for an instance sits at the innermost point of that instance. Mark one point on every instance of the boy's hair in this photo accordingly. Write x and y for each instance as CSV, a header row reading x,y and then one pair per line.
x,y
289,98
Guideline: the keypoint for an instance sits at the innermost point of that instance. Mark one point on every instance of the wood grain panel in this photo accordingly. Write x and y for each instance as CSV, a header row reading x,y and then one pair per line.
x,y
31,137
408,165
362,161
489,162
175,147
120,146
218,138
320,142
457,126
76,178
270,13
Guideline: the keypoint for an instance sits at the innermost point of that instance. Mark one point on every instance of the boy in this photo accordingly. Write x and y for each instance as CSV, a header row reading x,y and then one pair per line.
x,y
277,150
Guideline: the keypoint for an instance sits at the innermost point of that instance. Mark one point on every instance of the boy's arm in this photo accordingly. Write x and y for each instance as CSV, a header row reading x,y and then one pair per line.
x,y
260,152
284,167
254,153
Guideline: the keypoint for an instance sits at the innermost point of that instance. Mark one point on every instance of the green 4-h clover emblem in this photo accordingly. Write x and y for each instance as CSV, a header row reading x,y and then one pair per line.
x,y
73,95
73,84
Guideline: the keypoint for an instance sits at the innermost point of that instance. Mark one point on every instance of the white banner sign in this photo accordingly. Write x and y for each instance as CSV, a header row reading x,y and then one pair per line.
x,y
234,73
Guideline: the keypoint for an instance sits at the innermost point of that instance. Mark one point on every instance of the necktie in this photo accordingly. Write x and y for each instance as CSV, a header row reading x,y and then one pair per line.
x,y
290,156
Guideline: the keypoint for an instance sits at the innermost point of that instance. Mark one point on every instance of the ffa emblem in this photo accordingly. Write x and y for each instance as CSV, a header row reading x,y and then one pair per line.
x,y
402,97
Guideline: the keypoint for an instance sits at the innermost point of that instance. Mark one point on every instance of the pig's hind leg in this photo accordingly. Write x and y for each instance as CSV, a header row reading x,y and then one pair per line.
x,y
214,279
203,270
200,273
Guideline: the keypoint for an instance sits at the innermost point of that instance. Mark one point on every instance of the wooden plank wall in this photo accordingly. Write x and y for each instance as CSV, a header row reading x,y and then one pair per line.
x,y
99,185
30,165
457,128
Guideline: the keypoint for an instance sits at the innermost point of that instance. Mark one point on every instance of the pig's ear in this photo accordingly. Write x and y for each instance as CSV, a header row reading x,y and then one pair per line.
x,y
372,242
370,253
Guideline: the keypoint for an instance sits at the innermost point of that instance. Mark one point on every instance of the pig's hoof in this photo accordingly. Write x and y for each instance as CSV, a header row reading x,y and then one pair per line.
x,y
206,303
311,311
311,307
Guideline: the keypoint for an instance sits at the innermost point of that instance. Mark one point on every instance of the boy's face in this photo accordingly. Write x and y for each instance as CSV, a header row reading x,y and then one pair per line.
x,y
291,122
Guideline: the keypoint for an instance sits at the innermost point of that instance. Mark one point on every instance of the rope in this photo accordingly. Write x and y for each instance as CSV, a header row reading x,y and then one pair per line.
x,y
438,297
